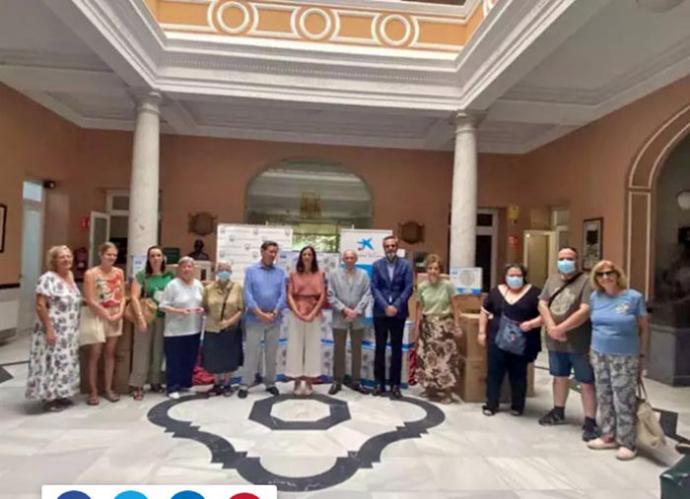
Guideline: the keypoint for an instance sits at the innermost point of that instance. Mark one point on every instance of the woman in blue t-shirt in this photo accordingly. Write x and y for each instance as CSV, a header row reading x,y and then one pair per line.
x,y
619,339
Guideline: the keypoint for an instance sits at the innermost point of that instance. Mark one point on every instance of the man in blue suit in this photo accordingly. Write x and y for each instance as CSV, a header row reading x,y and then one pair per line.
x,y
391,286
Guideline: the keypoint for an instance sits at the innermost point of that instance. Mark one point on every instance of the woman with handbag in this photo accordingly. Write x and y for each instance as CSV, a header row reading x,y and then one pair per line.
x,y
437,324
142,311
54,357
101,322
511,314
181,303
222,344
619,338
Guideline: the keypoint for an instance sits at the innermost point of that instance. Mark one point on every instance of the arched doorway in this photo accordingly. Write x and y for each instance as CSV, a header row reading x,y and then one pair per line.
x,y
641,199
316,198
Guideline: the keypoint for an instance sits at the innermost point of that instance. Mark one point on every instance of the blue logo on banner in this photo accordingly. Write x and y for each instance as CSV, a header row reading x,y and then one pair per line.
x,y
365,244
130,494
187,494
74,494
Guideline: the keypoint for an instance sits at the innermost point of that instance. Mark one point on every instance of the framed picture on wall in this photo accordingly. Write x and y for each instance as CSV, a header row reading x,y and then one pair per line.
x,y
592,242
3,223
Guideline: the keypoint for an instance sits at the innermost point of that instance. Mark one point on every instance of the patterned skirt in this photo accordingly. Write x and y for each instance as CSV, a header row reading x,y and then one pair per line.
x,y
438,360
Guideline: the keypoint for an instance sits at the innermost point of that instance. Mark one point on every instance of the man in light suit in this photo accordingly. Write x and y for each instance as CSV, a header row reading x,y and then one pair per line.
x,y
349,295
391,286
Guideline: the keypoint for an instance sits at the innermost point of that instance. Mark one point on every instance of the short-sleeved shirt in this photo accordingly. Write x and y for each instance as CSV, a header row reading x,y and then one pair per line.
x,y
436,299
614,322
215,296
524,309
152,286
564,305
178,294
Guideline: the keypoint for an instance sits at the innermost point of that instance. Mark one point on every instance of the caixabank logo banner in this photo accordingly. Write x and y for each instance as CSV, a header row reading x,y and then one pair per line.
x,y
159,492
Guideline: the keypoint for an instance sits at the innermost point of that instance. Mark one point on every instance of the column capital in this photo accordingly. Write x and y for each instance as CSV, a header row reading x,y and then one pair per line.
x,y
465,122
149,102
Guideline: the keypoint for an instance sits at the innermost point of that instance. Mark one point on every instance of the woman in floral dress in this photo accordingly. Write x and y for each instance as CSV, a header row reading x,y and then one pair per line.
x,y
54,357
436,326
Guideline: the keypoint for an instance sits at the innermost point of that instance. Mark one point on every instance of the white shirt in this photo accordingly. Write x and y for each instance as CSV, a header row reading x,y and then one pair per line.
x,y
178,294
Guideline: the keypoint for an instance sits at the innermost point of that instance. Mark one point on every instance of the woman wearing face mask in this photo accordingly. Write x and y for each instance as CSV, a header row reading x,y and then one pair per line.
x,y
222,345
147,355
436,325
511,313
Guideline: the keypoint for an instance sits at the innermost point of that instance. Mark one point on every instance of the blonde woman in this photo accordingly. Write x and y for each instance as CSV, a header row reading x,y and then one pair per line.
x,y
222,346
147,355
437,324
54,356
619,338
181,303
104,293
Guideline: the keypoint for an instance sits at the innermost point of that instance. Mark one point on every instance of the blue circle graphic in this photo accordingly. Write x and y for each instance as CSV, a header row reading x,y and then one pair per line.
x,y
130,494
187,494
74,494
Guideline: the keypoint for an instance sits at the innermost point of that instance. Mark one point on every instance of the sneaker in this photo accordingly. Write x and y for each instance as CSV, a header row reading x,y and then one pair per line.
x,y
626,454
242,393
552,418
590,432
600,443
174,395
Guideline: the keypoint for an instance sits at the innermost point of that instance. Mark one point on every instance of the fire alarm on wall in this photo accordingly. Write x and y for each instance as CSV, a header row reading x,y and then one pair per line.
x,y
49,184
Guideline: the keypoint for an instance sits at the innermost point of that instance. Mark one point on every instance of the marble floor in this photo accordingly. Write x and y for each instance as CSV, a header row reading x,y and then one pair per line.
x,y
358,447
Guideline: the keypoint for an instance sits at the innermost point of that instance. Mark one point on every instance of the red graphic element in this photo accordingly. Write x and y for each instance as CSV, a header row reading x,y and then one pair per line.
x,y
244,495
85,223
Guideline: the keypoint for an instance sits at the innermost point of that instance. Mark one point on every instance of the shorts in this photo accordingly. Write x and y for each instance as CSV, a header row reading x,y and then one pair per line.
x,y
562,363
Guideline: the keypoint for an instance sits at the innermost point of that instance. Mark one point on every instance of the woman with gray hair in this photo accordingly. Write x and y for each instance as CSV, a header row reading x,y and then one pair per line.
x,y
181,303
222,346
54,356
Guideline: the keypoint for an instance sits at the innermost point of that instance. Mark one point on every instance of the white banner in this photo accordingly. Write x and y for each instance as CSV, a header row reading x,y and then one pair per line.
x,y
367,243
240,244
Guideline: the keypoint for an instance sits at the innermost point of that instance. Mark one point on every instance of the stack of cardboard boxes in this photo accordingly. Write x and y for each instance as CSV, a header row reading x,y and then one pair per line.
x,y
473,362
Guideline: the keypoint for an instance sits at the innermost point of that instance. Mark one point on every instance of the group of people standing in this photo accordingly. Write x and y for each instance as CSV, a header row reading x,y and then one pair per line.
x,y
595,326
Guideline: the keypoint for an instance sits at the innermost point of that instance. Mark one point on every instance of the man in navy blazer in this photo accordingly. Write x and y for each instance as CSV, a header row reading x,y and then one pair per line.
x,y
391,286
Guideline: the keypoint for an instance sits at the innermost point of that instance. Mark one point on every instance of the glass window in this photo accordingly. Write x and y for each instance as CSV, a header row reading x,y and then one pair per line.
x,y
33,191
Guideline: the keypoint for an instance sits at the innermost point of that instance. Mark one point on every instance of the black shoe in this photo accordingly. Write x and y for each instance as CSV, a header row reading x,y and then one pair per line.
x,y
379,390
217,390
395,391
242,393
273,391
360,388
157,388
516,412
227,391
552,418
64,403
683,447
488,411
335,388
590,432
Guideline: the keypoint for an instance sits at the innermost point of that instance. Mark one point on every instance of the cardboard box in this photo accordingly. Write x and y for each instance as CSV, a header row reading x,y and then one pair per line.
x,y
468,344
470,304
472,382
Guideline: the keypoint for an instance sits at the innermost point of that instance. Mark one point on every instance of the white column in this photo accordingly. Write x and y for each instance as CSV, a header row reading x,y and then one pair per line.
x,y
144,183
463,218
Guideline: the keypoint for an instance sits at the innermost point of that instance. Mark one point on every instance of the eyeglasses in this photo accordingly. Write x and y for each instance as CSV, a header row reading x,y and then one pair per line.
x,y
607,273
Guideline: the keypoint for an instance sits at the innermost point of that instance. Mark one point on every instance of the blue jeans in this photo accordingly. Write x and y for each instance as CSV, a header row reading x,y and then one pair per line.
x,y
562,363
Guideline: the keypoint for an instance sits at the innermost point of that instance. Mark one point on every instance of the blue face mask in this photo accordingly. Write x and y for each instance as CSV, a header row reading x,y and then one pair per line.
x,y
515,281
566,266
223,276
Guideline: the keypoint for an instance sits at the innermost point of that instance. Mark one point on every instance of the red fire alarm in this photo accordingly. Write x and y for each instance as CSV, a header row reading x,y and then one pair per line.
x,y
513,241
85,223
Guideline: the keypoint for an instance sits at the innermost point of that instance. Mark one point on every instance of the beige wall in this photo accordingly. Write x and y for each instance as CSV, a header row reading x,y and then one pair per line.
x,y
34,143
585,171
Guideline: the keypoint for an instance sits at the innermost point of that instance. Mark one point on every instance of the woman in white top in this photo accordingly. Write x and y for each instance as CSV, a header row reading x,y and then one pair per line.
x,y
182,304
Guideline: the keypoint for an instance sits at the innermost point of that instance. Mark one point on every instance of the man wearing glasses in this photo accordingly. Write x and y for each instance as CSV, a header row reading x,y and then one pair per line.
x,y
564,307
391,287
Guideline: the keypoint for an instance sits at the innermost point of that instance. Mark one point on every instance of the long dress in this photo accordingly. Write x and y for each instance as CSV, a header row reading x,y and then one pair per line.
x,y
54,370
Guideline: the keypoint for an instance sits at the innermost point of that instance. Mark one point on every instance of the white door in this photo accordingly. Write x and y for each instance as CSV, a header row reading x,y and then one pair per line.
x,y
32,249
540,251
98,234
